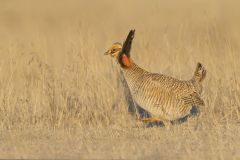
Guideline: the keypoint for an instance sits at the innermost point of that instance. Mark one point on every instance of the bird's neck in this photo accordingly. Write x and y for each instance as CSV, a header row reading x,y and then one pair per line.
x,y
133,73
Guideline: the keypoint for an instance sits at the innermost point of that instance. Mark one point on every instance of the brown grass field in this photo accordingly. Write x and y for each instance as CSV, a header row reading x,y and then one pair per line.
x,y
60,97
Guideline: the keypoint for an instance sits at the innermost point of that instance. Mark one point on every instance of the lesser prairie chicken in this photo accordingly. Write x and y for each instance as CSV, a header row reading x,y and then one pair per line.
x,y
166,98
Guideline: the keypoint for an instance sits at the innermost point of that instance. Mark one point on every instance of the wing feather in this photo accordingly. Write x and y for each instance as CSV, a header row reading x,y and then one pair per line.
x,y
181,91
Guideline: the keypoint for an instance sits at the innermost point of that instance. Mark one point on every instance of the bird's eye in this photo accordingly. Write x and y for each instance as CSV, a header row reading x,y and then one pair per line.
x,y
114,50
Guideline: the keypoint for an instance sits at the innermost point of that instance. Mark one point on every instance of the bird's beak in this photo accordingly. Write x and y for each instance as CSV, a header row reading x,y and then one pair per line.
x,y
107,53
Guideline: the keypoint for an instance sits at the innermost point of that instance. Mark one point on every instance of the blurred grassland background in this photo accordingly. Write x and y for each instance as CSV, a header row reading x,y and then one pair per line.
x,y
61,98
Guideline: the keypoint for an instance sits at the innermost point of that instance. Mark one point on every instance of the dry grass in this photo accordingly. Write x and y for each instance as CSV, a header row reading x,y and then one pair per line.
x,y
61,98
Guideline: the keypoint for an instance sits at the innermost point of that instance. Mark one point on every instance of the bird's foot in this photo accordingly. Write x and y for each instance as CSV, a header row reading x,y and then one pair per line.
x,y
151,119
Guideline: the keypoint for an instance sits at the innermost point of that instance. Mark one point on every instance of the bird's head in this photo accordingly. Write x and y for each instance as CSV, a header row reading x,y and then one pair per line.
x,y
122,52
114,50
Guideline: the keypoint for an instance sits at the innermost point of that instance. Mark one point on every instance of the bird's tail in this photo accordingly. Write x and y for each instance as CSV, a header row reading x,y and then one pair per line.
x,y
200,73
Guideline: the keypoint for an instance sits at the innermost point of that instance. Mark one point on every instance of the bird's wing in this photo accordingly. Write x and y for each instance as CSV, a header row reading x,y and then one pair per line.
x,y
192,99
179,90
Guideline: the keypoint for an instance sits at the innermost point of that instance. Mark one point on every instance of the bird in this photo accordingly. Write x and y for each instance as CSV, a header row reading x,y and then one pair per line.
x,y
166,98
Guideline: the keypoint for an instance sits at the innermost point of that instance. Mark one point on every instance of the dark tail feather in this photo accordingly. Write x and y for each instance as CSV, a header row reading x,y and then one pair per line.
x,y
200,73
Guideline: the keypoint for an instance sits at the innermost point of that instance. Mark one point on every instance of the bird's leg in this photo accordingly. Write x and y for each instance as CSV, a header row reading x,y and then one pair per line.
x,y
151,119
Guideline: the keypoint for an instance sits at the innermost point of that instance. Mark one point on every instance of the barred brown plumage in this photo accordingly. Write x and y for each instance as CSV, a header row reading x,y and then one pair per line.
x,y
165,97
